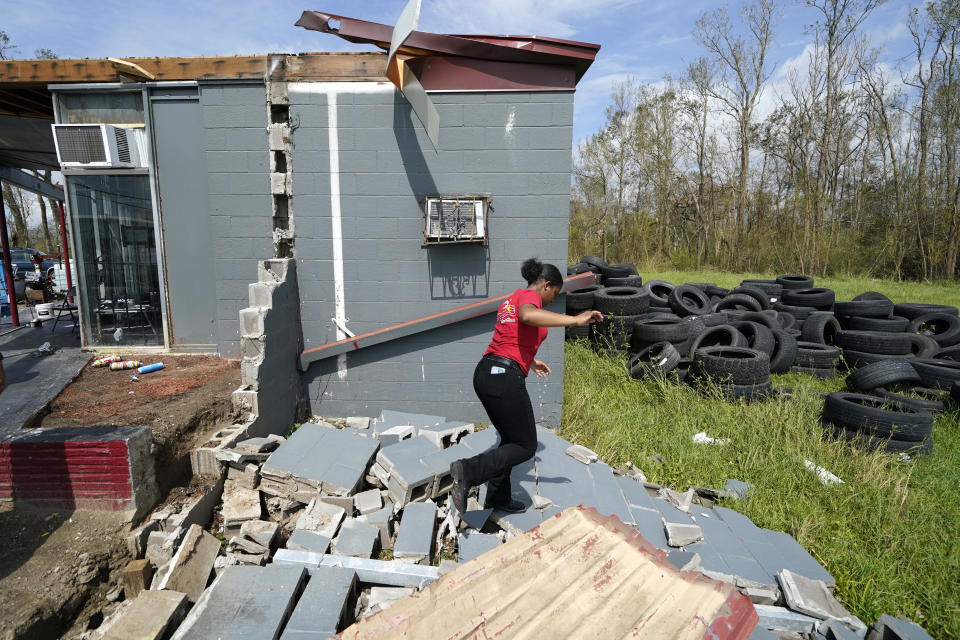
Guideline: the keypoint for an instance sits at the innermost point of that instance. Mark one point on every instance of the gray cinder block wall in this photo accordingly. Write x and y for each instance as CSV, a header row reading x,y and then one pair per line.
x,y
239,201
515,147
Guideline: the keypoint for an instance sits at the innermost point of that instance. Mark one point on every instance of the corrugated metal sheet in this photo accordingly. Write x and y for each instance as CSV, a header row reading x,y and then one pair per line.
x,y
578,575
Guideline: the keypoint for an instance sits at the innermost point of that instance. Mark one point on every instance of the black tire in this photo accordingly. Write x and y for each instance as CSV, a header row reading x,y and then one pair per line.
x,y
767,318
578,268
950,353
613,332
659,358
857,359
617,271
714,290
731,365
872,295
722,335
864,308
577,333
955,394
714,319
922,346
815,297
896,324
881,342
799,313
942,327
816,372
594,262
786,320
621,301
628,281
867,441
816,356
761,296
659,292
821,327
740,301
784,352
759,336
582,299
877,416
932,402
687,300
913,310
939,374
682,370
746,392
882,374
651,331
769,287
795,281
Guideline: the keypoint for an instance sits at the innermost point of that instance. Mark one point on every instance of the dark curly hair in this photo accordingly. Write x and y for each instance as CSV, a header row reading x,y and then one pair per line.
x,y
533,270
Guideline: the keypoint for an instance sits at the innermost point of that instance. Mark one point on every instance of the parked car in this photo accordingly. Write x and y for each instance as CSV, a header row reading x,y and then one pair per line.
x,y
22,259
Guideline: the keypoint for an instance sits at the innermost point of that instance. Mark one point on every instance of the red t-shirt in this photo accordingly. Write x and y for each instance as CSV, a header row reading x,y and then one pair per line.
x,y
513,339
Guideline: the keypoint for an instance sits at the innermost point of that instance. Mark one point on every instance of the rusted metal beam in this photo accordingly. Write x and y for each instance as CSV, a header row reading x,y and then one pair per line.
x,y
426,323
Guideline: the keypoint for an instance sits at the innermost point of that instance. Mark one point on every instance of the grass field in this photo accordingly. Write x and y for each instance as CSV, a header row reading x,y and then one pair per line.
x,y
890,534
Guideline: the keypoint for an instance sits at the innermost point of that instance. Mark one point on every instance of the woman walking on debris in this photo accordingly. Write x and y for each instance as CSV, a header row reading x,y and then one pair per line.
x,y
500,382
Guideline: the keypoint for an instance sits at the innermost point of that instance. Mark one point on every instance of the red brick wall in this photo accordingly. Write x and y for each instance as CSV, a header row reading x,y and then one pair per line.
x,y
73,474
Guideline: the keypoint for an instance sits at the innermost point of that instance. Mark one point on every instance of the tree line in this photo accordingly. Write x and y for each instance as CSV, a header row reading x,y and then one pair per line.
x,y
855,170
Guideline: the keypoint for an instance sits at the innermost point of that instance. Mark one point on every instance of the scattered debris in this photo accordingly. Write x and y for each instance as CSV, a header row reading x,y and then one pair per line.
x,y
581,453
680,535
825,476
703,438
541,503
811,597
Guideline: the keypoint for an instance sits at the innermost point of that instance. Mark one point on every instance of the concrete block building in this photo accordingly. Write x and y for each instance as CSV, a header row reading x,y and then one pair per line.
x,y
262,207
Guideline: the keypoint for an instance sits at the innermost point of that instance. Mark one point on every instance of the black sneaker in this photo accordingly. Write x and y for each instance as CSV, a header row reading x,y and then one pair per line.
x,y
460,486
514,506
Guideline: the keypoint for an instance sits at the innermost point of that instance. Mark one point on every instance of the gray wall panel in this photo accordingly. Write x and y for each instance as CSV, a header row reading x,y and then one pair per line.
x,y
515,147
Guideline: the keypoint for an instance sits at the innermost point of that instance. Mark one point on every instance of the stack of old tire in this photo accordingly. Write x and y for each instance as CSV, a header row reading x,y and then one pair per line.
x,y
886,408
619,296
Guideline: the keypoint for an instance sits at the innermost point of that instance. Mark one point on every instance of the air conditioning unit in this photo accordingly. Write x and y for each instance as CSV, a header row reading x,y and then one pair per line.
x,y
456,219
99,146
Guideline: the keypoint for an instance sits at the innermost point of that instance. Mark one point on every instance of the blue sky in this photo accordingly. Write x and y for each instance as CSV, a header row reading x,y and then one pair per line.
x,y
643,39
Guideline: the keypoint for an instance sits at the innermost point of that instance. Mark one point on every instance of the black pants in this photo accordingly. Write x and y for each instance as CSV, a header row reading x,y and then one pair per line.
x,y
505,399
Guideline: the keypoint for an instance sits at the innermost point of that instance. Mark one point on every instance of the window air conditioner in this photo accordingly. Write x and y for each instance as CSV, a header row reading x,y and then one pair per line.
x,y
456,219
99,146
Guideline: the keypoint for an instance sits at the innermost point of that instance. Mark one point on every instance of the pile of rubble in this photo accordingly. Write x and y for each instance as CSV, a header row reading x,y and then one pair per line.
x,y
343,518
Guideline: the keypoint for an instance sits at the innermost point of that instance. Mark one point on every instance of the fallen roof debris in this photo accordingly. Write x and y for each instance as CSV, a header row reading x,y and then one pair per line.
x,y
352,519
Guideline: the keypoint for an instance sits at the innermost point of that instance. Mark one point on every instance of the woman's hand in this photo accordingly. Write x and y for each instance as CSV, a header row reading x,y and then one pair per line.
x,y
587,317
540,368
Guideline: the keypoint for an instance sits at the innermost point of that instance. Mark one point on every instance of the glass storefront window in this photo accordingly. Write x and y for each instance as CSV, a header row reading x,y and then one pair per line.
x,y
116,257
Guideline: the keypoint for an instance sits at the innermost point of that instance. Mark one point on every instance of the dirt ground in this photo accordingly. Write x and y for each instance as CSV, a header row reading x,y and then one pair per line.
x,y
59,568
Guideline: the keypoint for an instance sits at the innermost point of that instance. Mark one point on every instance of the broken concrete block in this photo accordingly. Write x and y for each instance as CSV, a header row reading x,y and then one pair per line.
x,y
239,506
321,518
385,572
260,531
472,545
148,616
890,628
244,603
137,541
377,470
358,422
368,501
245,475
308,541
190,567
382,519
410,481
389,419
356,539
257,445
836,630
333,461
401,433
416,534
761,596
279,136
283,511
811,597
344,502
325,606
445,434
410,450
738,489
783,619
581,453
679,535
447,565
249,547
380,598
684,560
476,518
681,501
540,502
136,577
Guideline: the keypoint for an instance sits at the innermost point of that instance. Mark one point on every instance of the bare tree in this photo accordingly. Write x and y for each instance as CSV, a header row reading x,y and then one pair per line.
x,y
742,72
